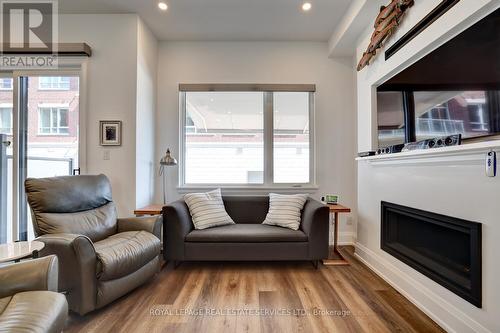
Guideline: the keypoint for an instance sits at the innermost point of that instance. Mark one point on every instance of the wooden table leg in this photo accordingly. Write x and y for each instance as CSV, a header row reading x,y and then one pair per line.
x,y
341,261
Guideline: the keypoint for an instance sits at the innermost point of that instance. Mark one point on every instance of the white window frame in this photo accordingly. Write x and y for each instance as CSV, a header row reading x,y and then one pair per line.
x,y
51,108
57,86
268,112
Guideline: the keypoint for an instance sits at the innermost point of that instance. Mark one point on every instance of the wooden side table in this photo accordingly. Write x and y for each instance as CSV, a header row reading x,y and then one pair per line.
x,y
149,210
336,209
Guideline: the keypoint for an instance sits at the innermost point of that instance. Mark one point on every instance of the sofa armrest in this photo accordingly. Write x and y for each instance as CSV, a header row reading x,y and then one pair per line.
x,y
77,268
30,275
315,224
177,224
150,224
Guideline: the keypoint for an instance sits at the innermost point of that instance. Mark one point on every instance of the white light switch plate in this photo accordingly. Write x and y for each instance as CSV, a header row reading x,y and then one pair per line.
x,y
106,155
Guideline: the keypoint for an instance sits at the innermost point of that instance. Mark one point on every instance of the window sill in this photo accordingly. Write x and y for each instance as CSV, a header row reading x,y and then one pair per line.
x,y
471,153
254,190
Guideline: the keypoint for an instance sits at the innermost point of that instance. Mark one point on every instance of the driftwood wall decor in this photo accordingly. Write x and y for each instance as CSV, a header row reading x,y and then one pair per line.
x,y
386,24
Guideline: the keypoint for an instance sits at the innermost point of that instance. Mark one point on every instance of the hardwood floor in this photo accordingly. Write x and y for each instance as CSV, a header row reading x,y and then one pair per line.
x,y
278,297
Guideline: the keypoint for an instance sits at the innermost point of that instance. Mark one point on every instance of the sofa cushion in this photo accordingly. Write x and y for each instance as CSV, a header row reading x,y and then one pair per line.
x,y
124,253
34,311
246,233
285,210
207,209
247,209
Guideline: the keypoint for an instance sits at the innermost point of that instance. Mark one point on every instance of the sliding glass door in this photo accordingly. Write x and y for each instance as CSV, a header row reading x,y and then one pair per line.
x,y
45,137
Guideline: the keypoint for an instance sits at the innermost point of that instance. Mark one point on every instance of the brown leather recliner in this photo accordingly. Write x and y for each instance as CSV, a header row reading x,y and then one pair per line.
x,y
101,257
28,298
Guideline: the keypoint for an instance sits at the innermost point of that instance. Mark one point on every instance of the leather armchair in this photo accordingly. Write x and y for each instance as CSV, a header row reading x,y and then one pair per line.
x,y
28,298
102,257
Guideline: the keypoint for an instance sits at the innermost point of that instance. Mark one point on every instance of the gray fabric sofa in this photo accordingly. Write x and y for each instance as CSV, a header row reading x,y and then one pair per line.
x,y
248,239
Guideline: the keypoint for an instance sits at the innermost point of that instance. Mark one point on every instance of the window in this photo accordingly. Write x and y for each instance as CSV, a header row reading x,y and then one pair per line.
x,y
5,120
291,137
53,121
5,83
224,138
246,138
54,83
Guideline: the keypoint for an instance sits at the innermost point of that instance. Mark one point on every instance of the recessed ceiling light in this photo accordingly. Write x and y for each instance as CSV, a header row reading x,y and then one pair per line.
x,y
306,6
162,5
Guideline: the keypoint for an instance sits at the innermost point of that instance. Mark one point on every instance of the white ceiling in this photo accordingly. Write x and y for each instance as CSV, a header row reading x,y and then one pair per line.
x,y
225,20
358,17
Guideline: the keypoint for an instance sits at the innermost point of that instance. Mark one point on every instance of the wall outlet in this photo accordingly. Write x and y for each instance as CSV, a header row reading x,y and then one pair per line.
x,y
106,155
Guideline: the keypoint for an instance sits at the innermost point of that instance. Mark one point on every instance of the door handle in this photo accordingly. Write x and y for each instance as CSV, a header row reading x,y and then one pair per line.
x,y
6,143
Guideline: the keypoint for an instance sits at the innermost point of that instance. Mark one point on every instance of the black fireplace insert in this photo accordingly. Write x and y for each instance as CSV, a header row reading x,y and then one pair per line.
x,y
445,249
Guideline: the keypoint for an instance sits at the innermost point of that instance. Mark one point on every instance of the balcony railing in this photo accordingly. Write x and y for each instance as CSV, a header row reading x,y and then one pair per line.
x,y
439,127
49,166
427,127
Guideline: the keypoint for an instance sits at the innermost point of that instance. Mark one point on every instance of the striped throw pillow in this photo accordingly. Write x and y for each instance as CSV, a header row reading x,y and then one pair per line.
x,y
207,209
284,210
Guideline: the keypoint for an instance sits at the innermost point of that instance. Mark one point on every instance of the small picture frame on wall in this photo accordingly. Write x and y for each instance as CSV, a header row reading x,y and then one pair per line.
x,y
110,132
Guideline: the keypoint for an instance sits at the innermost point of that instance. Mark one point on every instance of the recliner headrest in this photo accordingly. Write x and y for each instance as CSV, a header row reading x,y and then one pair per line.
x,y
68,194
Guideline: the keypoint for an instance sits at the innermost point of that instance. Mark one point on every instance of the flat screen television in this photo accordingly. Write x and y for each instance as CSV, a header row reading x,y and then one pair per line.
x,y
455,89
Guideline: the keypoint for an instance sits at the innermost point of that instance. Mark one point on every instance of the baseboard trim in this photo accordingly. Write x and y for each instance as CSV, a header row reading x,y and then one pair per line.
x,y
457,320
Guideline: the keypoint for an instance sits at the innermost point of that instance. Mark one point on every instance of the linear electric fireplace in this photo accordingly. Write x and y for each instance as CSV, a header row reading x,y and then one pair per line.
x,y
444,248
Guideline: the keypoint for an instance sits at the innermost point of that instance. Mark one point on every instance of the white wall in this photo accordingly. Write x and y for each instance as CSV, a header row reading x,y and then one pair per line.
x,y
121,85
455,186
147,59
268,62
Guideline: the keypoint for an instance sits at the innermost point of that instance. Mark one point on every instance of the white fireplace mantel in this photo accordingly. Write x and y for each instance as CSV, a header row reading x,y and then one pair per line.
x,y
472,153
